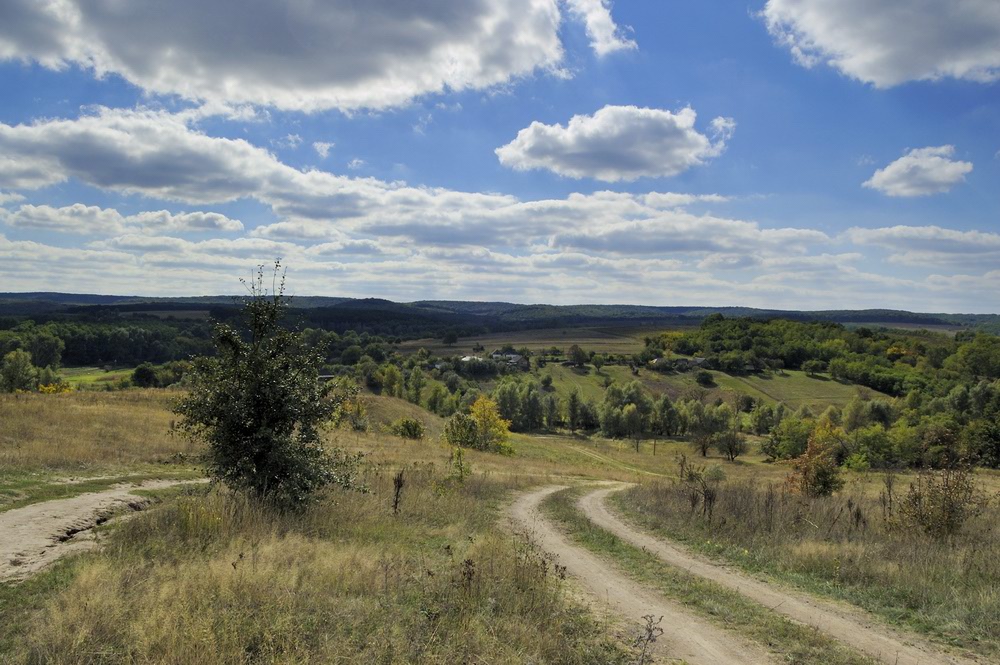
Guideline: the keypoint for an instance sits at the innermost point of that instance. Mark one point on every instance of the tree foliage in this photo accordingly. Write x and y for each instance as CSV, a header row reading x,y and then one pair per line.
x,y
260,406
482,428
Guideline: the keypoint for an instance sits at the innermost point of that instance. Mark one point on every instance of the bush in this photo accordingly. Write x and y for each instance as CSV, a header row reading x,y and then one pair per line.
x,y
940,502
144,376
705,378
816,472
408,428
260,406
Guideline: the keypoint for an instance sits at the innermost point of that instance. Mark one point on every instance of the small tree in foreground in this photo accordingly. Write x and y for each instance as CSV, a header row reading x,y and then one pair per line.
x,y
260,406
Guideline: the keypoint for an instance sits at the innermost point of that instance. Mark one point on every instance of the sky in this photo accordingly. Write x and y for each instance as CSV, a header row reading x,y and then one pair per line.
x,y
799,154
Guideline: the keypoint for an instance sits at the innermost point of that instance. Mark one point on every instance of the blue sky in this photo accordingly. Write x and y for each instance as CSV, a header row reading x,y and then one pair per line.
x,y
781,153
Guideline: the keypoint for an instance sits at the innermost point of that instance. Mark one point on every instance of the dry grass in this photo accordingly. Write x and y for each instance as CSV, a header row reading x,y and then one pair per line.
x,y
846,546
87,431
216,579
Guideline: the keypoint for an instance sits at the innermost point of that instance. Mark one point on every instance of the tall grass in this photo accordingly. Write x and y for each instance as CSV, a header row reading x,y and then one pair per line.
x,y
212,577
84,430
848,546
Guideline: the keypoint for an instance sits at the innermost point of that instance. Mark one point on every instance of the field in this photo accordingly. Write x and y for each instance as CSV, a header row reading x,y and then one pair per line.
x,y
793,388
94,377
599,340
206,576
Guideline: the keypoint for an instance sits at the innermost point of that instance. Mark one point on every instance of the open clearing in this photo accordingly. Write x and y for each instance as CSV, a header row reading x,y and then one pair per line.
x,y
685,637
600,340
836,620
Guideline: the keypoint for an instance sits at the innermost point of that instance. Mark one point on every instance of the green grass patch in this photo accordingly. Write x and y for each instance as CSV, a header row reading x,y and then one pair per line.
x,y
92,377
19,490
795,389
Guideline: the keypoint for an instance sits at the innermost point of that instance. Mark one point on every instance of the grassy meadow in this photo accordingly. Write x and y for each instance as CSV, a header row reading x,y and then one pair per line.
x,y
206,576
601,340
94,377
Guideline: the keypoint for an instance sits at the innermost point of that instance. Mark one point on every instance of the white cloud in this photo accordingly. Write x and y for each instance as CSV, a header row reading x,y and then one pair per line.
x,y
888,42
336,54
288,142
669,200
323,148
162,221
93,220
605,36
679,233
132,151
76,218
617,143
364,236
920,172
356,164
932,245
10,197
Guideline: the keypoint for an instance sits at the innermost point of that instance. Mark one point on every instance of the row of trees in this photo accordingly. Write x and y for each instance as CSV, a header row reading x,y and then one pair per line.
x,y
892,362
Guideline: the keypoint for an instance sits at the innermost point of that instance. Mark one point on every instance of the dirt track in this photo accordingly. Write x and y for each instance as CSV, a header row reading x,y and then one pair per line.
x,y
844,624
685,636
33,537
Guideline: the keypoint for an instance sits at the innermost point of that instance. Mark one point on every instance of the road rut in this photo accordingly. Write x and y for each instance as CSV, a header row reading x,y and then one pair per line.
x,y
846,625
35,536
685,636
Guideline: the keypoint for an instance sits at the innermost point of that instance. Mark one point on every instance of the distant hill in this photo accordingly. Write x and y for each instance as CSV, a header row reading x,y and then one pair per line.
x,y
431,315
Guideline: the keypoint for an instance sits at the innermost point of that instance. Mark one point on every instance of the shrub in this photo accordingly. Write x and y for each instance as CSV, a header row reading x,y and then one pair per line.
x,y
260,406
705,378
816,472
144,376
408,428
940,502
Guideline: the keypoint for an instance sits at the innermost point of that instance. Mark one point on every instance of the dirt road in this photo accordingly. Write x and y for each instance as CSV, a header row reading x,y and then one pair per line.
x,y
33,537
847,625
685,636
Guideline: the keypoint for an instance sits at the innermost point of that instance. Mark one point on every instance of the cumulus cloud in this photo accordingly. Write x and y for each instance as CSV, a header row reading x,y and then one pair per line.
x,y
617,143
307,56
888,42
132,151
364,236
932,245
160,156
605,36
323,148
163,221
678,232
920,172
93,220
76,218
